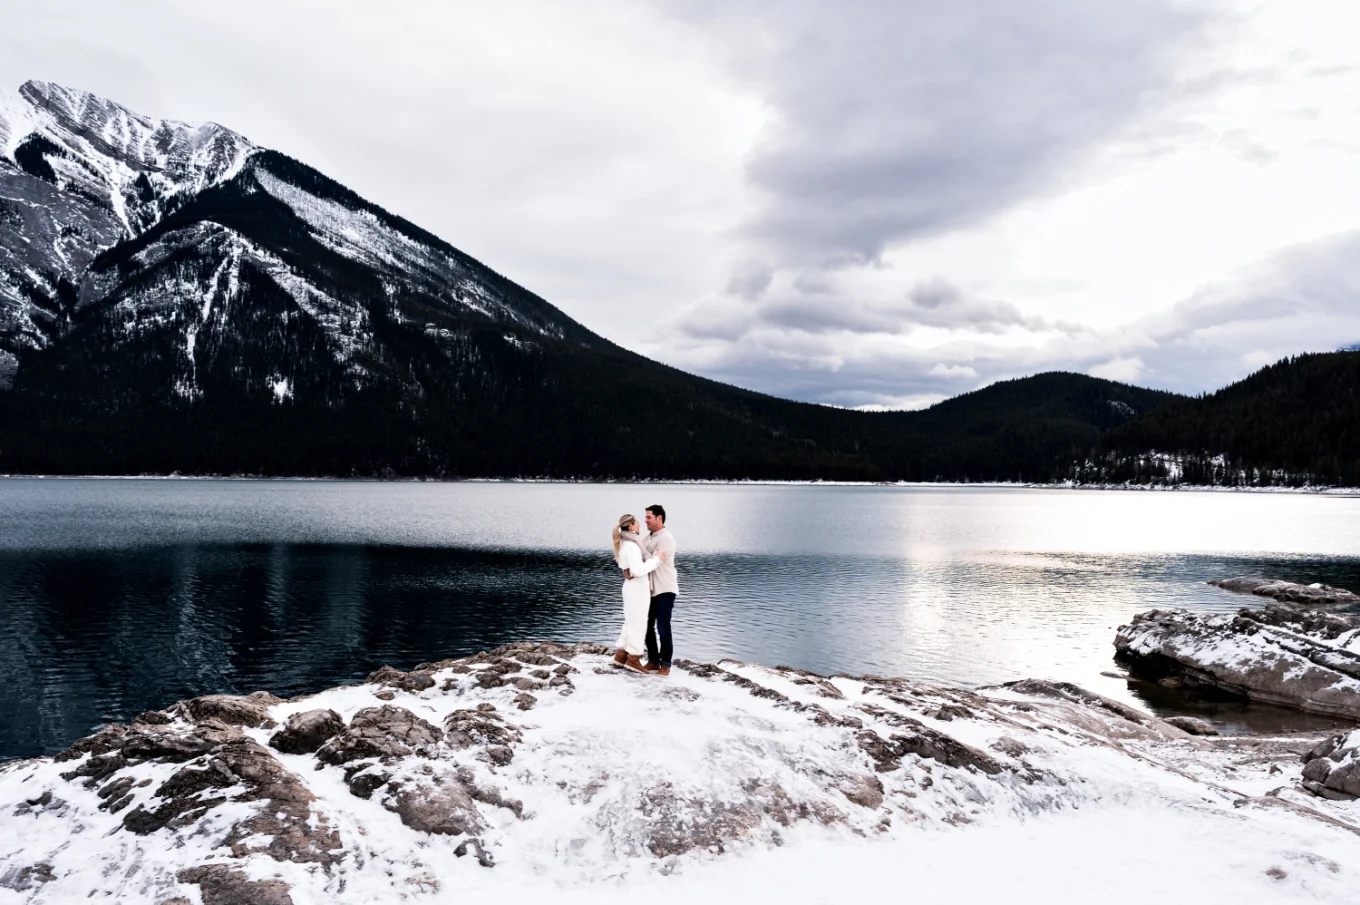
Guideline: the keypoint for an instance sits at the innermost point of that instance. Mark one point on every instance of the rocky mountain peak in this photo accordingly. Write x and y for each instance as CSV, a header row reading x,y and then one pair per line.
x,y
86,124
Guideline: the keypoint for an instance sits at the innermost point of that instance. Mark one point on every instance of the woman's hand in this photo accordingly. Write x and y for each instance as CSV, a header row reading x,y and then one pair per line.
x,y
661,556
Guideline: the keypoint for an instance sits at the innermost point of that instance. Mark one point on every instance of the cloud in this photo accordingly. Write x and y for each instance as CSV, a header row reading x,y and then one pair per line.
x,y
953,372
1299,299
892,120
750,278
815,305
1124,370
938,303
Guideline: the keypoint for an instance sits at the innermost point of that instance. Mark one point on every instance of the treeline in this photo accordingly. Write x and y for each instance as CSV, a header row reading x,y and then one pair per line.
x,y
1294,423
542,408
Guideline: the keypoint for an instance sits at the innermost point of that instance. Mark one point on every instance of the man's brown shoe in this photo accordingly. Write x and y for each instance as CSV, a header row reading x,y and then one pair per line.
x,y
635,664
663,670
620,657
652,667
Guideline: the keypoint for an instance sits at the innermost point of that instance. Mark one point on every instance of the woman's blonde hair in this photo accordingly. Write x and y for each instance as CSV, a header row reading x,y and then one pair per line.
x,y
624,521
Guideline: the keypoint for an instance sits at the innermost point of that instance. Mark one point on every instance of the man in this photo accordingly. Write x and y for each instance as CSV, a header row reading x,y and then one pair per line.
x,y
664,588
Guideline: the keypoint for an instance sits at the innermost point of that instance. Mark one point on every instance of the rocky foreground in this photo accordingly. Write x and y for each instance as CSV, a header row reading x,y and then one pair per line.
x,y
539,769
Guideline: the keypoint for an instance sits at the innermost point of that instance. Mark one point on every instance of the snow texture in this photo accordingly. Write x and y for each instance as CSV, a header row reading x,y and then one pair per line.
x,y
542,770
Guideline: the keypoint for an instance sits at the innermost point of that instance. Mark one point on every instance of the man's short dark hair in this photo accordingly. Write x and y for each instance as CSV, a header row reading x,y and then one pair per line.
x,y
658,511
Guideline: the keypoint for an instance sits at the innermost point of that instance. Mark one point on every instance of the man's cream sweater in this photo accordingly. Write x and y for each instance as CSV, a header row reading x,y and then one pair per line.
x,y
664,580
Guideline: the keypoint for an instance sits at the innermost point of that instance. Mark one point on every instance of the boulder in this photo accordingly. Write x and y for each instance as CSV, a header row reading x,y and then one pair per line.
x,y
1332,768
414,681
221,884
480,728
1283,654
443,808
1288,591
305,732
1192,724
385,731
234,710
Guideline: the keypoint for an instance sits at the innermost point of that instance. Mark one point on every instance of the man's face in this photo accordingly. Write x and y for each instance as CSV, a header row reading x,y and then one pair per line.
x,y
654,524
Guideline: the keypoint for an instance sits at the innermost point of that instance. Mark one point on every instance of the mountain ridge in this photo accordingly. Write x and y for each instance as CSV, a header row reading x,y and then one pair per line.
x,y
174,298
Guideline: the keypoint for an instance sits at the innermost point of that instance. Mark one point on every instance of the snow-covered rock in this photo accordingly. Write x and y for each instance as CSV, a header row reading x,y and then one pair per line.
x,y
540,769
1288,591
1332,769
1283,654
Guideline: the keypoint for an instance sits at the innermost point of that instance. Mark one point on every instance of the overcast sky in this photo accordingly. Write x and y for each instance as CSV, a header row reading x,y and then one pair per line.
x,y
868,203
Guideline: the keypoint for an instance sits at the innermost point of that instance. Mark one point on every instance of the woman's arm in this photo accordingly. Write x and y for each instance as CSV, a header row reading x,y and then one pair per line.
x,y
631,561
644,568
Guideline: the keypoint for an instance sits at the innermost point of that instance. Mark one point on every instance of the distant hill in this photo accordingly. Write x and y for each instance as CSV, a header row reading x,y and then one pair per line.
x,y
1292,423
1029,429
174,298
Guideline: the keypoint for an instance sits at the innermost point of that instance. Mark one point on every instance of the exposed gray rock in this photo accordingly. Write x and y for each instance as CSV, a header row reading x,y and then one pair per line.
x,y
1192,725
31,876
1332,769
221,884
240,769
439,805
365,779
480,728
234,710
385,731
919,739
483,856
414,681
305,732
1288,591
1067,691
1283,654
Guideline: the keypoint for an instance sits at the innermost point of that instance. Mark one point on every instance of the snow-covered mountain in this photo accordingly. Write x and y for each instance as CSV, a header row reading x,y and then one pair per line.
x,y
146,229
175,298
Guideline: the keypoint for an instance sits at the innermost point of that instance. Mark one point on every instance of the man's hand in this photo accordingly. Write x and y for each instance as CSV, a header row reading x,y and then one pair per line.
x,y
627,575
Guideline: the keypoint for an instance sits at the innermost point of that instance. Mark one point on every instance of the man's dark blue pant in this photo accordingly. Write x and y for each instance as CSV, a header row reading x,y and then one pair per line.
x,y
659,626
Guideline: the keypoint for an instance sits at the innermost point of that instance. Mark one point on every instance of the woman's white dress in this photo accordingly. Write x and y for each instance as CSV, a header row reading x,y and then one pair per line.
x,y
637,598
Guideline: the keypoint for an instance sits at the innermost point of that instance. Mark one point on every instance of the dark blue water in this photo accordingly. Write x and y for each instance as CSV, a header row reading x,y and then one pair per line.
x,y
118,596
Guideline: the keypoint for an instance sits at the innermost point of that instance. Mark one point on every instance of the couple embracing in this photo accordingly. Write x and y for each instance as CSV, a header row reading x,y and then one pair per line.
x,y
649,589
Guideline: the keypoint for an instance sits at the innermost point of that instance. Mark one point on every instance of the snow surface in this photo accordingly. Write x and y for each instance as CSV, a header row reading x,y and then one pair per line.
x,y
1090,806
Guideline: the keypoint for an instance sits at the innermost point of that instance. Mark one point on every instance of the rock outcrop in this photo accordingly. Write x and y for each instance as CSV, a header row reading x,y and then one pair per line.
x,y
1288,591
1284,654
305,732
1332,769
378,791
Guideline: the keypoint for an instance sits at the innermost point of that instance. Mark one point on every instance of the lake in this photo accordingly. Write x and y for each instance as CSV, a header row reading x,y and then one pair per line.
x,y
121,595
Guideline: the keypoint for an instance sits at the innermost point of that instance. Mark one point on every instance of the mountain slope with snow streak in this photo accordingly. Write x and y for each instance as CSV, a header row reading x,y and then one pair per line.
x,y
540,769
81,177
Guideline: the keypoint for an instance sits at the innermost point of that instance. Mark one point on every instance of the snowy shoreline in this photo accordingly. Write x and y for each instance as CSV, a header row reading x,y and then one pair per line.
x,y
538,769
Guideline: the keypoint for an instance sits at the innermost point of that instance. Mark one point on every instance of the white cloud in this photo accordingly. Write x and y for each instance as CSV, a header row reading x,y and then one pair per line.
x,y
953,372
1124,370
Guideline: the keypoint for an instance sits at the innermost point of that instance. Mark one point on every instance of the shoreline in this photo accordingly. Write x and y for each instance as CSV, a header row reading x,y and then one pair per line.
x,y
1314,490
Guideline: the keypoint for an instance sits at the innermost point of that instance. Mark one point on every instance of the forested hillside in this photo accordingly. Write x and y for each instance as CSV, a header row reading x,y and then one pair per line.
x,y
1295,422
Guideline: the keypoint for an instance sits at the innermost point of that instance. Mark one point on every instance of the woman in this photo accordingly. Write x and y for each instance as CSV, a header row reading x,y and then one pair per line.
x,y
637,592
